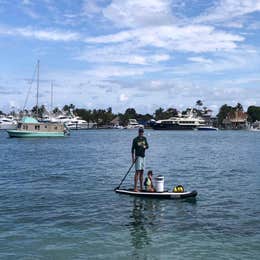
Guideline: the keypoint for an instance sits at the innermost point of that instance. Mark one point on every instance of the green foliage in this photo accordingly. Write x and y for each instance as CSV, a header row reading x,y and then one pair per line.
x,y
68,108
239,107
56,110
105,116
223,112
100,116
40,112
199,103
161,114
130,113
253,113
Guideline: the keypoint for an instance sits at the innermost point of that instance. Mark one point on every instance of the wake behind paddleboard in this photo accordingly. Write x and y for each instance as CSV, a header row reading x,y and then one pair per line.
x,y
159,195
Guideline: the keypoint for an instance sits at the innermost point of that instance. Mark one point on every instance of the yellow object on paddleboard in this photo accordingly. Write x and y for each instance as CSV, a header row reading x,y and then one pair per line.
x,y
178,188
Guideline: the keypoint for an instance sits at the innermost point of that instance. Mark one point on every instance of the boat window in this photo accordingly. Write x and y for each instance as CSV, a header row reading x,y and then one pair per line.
x,y
37,127
55,127
46,126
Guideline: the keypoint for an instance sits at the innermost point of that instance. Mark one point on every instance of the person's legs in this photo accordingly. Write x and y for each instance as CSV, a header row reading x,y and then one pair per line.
x,y
136,180
139,169
141,174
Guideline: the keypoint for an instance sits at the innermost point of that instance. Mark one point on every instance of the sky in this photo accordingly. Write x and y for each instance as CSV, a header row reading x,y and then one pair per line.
x,y
130,53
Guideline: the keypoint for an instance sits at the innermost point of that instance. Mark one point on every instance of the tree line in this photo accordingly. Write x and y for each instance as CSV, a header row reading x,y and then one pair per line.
x,y
105,116
253,112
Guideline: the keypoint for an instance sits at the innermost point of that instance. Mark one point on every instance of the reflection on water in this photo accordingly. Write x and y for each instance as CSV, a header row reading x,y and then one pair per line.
x,y
150,217
143,220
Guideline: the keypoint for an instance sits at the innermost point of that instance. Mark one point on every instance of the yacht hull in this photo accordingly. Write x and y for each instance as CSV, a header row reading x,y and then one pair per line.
x,y
7,127
28,134
173,127
207,129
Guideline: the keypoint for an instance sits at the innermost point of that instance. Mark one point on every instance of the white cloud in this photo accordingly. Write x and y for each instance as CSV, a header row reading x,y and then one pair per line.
x,y
193,38
229,9
52,35
123,97
91,7
121,53
200,60
136,13
240,61
254,25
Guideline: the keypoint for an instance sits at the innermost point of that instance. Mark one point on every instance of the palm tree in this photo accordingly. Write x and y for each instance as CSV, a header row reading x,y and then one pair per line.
x,y
199,104
239,107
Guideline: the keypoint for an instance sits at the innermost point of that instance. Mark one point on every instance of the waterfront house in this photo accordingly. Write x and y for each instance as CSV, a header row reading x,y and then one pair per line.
x,y
235,120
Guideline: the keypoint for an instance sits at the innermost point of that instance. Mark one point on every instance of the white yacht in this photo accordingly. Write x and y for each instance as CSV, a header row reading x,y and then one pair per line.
x,y
180,122
63,119
255,126
206,128
74,122
133,124
7,122
77,123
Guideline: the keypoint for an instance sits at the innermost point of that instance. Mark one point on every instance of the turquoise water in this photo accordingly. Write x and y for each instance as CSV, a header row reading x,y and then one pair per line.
x,y
57,199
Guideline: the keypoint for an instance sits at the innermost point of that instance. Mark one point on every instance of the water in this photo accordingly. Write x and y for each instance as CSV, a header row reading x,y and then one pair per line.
x,y
57,199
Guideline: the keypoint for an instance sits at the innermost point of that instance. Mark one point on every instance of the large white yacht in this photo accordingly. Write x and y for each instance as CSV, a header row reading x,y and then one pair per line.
x,y
74,122
133,124
7,122
77,123
180,122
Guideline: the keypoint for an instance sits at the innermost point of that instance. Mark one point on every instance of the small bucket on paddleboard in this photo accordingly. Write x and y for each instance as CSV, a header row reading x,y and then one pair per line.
x,y
159,183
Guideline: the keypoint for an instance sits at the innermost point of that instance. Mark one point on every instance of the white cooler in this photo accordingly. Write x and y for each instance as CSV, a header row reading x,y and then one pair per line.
x,y
159,183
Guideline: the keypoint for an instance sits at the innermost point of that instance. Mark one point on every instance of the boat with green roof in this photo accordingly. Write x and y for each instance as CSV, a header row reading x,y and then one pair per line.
x,y
30,127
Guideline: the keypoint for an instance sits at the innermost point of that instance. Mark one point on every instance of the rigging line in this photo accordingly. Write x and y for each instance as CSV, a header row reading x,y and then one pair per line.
x,y
29,90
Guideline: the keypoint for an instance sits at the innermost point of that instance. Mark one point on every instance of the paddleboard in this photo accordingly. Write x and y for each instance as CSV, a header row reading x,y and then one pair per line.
x,y
159,195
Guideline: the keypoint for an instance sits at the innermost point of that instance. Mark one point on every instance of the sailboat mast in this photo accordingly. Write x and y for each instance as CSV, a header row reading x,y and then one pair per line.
x,y
37,93
51,96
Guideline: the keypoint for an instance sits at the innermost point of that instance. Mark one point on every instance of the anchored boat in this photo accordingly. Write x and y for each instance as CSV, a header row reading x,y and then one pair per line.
x,y
30,127
181,122
206,128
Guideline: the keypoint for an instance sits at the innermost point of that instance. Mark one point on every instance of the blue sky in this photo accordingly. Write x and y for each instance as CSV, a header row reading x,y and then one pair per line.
x,y
131,53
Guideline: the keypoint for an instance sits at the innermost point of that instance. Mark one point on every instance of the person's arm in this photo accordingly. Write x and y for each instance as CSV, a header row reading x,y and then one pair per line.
x,y
145,182
146,144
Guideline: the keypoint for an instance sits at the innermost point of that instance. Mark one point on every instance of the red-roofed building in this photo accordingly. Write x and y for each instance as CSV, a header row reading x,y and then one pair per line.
x,y
235,120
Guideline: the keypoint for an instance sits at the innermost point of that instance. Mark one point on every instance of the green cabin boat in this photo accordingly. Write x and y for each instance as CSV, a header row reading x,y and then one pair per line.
x,y
30,127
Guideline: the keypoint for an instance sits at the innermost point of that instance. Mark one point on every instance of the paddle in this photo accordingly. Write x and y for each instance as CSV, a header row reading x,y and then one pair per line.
x,y
126,174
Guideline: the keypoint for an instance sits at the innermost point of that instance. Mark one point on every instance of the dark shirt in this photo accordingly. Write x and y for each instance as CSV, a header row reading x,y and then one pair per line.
x,y
138,146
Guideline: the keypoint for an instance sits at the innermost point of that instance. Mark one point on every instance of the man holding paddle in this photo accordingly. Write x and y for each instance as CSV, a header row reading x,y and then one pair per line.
x,y
138,157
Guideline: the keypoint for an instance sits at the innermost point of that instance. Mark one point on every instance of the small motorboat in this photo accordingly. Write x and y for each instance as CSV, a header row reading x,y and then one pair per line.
x,y
206,128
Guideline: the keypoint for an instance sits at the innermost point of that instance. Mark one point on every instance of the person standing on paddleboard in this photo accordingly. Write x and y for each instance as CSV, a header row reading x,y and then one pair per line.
x,y
139,146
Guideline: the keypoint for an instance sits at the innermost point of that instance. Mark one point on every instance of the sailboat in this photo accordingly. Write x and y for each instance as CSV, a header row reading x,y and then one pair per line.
x,y
31,127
